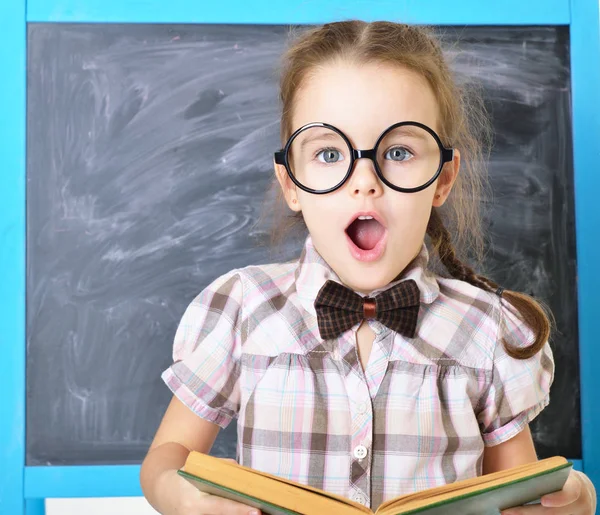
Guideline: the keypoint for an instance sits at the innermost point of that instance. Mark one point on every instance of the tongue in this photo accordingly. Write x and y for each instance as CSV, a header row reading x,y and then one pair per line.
x,y
366,233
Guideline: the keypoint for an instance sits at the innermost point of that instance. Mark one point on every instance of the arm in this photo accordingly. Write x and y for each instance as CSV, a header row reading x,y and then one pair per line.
x,y
512,453
180,431
205,375
578,496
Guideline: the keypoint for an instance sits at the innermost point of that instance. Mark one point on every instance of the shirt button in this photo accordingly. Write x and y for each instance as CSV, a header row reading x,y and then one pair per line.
x,y
362,407
360,498
360,451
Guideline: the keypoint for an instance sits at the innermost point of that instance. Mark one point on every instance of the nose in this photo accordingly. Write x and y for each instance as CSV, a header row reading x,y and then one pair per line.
x,y
364,180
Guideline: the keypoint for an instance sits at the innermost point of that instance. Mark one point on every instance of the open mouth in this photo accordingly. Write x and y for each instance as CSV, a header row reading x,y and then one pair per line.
x,y
365,232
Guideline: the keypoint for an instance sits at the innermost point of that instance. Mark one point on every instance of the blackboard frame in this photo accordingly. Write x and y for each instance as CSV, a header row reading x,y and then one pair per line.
x,y
23,489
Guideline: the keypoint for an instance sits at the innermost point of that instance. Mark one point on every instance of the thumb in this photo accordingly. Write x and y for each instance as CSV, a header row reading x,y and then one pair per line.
x,y
569,494
556,500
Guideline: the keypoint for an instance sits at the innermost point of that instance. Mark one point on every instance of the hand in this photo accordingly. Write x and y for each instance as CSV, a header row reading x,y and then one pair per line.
x,y
577,497
186,499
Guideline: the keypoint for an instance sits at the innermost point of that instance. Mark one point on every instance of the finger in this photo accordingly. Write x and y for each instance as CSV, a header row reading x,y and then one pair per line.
x,y
213,505
568,495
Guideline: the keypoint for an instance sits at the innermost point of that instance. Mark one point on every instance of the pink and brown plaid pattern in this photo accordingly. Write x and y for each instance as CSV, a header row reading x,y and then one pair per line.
x,y
339,308
418,415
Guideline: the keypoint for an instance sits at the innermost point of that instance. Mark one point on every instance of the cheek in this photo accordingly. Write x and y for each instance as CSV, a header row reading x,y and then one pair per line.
x,y
316,208
316,205
414,203
412,210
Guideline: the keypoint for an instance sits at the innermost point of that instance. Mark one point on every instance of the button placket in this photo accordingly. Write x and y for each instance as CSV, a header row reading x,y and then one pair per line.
x,y
359,403
360,498
362,432
360,452
361,408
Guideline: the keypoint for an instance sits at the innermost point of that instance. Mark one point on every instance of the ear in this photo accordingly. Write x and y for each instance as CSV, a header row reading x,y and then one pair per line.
x,y
446,180
287,187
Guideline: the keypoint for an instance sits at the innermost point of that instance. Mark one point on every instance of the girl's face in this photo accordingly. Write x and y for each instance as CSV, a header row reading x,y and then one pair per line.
x,y
362,101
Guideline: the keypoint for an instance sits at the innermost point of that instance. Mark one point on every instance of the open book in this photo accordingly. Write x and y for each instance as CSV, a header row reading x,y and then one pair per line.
x,y
277,496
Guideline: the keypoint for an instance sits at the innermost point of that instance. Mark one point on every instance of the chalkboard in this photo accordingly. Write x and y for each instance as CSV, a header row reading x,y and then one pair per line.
x,y
149,151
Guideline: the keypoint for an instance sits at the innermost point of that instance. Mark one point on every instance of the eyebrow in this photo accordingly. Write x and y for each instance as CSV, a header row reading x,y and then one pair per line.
x,y
414,132
323,134
326,134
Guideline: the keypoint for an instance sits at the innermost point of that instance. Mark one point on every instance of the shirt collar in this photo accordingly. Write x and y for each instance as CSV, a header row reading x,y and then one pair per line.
x,y
313,271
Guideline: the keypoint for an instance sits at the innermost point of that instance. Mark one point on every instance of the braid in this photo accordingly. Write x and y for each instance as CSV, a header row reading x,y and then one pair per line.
x,y
528,310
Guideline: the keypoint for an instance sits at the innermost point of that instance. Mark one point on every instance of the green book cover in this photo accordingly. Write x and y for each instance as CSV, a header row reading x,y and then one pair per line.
x,y
487,501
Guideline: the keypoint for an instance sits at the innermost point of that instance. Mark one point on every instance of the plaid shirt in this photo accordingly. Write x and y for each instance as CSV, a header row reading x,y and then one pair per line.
x,y
418,416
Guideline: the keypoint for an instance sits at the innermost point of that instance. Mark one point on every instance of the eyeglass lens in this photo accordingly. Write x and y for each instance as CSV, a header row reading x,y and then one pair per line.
x,y
408,156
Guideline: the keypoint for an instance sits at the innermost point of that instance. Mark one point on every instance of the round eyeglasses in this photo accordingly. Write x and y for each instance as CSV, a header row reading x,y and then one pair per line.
x,y
408,157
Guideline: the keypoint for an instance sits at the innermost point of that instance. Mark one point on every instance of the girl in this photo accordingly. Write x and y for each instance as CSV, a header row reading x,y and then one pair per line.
x,y
357,369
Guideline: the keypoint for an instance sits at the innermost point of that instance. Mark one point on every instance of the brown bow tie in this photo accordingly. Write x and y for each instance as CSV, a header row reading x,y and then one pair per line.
x,y
339,308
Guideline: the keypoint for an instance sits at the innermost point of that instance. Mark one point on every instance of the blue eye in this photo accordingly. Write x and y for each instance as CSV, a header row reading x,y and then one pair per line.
x,y
398,154
330,155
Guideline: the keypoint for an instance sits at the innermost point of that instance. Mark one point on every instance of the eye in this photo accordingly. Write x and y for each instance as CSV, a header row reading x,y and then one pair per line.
x,y
330,155
398,154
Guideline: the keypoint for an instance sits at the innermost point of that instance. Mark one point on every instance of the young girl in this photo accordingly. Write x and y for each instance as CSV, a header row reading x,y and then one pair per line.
x,y
357,369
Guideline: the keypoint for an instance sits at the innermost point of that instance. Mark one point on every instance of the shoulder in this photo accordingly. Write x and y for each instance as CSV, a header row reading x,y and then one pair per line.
x,y
233,296
479,322
266,282
230,304
468,321
266,306
275,321
466,299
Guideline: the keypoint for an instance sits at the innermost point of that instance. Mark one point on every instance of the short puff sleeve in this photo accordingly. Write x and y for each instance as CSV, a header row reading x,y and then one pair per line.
x,y
519,389
206,352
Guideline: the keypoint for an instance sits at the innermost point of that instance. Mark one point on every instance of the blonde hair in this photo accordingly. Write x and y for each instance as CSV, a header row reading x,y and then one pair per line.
x,y
463,124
